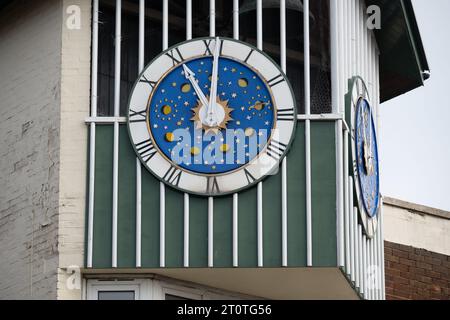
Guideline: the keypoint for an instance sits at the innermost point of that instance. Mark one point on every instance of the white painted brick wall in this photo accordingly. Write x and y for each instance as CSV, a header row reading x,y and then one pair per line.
x,y
30,71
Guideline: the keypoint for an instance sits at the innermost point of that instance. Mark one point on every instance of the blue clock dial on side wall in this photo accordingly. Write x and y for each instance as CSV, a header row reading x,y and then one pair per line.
x,y
364,155
367,157
245,97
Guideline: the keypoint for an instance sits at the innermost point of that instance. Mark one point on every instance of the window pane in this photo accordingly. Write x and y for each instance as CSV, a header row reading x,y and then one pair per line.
x,y
174,297
116,295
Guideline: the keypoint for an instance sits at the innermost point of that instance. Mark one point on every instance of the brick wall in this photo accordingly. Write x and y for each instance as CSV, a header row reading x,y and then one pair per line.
x,y
30,72
416,274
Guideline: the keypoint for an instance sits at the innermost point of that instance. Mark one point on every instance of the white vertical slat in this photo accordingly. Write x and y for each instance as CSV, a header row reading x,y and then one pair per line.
x,y
210,232
335,55
368,272
138,163
186,196
383,280
346,40
186,232
212,33
360,259
188,19
350,229
94,86
162,187
358,38
235,196
284,207
260,225
348,205
357,244
162,225
259,25
117,66
364,256
346,75
212,18
236,19
259,42
353,35
235,230
376,260
340,180
372,264
165,25
341,55
309,244
353,242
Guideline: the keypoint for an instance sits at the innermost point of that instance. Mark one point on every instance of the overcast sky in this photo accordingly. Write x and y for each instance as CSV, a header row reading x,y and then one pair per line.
x,y
415,127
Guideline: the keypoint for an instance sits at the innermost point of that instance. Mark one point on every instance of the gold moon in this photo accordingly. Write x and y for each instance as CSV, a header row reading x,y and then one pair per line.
x,y
243,83
249,132
195,151
169,137
166,110
224,148
185,88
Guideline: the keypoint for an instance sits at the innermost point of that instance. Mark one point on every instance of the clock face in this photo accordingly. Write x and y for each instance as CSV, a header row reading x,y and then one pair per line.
x,y
364,154
367,157
212,116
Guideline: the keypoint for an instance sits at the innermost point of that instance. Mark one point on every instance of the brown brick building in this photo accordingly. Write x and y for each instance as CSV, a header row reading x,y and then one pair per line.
x,y
417,259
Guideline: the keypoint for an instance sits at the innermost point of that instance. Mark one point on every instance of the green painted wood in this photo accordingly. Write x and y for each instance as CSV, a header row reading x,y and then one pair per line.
x,y
126,216
198,232
102,237
296,177
247,229
174,228
323,204
323,176
272,235
223,232
150,220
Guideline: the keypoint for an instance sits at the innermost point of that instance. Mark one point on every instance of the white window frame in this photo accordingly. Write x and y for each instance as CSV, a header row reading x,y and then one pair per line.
x,y
155,289
96,286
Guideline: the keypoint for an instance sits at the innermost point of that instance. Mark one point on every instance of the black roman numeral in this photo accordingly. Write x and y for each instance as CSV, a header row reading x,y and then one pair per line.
x,y
173,176
249,55
208,51
140,116
250,178
276,80
212,186
175,55
276,149
221,48
285,114
149,82
146,150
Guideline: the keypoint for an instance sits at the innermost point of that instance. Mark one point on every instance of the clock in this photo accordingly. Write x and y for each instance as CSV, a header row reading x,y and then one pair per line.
x,y
364,153
212,116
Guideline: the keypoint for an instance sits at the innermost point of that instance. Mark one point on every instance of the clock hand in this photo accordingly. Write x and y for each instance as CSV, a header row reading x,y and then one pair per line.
x,y
190,75
213,94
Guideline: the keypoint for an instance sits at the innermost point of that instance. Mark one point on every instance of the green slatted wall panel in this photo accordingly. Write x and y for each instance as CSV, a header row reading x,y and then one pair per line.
x,y
323,156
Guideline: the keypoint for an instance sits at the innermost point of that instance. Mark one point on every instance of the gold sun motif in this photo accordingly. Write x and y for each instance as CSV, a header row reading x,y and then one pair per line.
x,y
223,125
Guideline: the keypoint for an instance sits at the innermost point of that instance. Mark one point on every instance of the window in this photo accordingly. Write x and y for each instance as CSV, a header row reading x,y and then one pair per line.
x,y
319,40
113,290
116,295
151,289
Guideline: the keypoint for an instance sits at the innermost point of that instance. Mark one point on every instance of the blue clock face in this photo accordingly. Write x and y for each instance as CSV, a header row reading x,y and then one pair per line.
x,y
212,116
244,99
367,157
